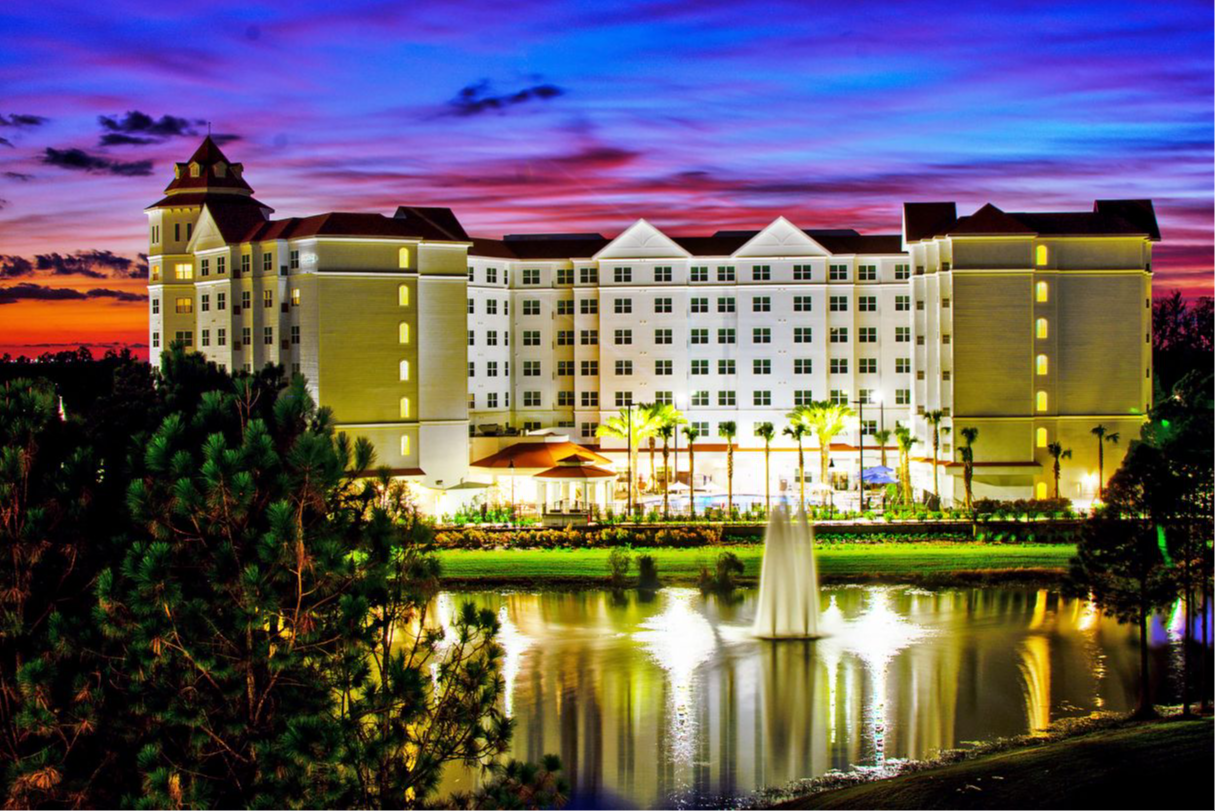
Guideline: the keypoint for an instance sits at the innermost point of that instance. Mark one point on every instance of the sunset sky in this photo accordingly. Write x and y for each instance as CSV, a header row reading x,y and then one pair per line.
x,y
531,115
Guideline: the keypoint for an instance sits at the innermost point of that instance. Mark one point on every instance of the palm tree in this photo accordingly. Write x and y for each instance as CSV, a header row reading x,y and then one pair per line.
x,y
1058,452
691,433
933,418
669,421
882,437
797,429
728,430
906,440
652,414
826,419
766,432
967,451
618,427
1102,437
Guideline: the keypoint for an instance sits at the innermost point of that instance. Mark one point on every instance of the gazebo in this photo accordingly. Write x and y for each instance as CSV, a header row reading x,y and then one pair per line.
x,y
572,487
547,468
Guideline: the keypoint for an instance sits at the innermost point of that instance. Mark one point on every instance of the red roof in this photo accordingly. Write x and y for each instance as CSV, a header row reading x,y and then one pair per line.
x,y
575,472
215,171
1108,218
409,223
528,455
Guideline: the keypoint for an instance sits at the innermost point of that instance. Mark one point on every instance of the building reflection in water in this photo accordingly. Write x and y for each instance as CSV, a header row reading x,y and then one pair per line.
x,y
669,700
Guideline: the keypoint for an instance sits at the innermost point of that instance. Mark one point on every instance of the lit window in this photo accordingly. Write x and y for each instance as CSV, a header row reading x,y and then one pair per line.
x,y
404,408
403,333
1040,328
1041,256
404,370
403,258
295,297
403,295
1041,401
405,445
1042,292
1041,364
1040,437
1040,490
185,305
184,270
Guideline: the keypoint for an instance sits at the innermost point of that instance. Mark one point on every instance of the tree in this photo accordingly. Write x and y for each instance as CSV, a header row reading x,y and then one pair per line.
x,y
1182,334
766,432
933,418
669,420
967,452
691,433
1057,452
797,429
1102,437
882,437
652,418
826,419
630,421
728,430
906,441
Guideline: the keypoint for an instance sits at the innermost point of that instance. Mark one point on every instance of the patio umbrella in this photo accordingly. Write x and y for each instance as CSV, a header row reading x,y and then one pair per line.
x,y
879,475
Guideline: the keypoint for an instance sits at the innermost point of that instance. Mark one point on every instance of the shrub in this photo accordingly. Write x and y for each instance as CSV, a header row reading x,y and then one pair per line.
x,y
620,559
647,573
721,579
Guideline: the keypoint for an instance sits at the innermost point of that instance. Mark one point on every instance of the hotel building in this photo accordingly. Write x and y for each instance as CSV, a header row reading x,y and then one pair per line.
x,y
444,348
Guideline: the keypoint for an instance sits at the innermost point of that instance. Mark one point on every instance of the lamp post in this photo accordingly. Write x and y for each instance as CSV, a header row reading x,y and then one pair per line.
x,y
860,481
512,491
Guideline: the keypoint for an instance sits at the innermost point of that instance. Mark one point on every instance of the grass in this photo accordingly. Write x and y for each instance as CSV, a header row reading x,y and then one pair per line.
x,y
920,562
1151,765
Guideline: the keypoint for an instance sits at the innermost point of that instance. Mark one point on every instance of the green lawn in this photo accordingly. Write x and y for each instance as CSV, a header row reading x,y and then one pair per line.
x,y
1158,765
918,561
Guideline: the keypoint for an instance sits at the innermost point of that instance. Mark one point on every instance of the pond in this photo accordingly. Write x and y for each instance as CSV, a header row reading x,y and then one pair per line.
x,y
667,701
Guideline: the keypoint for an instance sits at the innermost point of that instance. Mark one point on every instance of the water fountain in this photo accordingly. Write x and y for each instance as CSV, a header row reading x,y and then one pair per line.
x,y
788,581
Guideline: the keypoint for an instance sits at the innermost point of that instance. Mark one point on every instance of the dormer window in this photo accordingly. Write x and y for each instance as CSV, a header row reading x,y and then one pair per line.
x,y
221,169
194,169
177,170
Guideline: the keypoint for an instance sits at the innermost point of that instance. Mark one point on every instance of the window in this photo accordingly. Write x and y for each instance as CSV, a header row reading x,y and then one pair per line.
x,y
589,337
624,399
491,368
565,368
761,273
662,305
221,337
663,337
623,275
700,367
246,263
866,273
902,335
902,365
293,260
902,396
154,271
531,368
761,366
803,335
295,334
839,366
565,275
624,368
267,298
623,305
472,368
761,335
946,339
155,306
491,337
1040,438
838,273
803,304
699,335
405,444
867,304
700,305
946,375
698,273
1041,401
204,302
869,427
295,297
183,271
761,398
565,337
700,399
565,399
565,307
531,337
1042,292
204,267
531,399
664,368
1040,490
945,303
1041,255
662,274
589,429
530,307
1040,329
221,301
725,304
902,304
590,368
802,273
802,397
839,397
624,337
867,366
246,299
403,370
206,337
761,304
491,400
1041,364
268,261
867,335
839,335
185,305
531,276
838,304
902,272
403,295
590,399
588,275
589,306
725,273
185,338
725,366
491,275
803,366
726,398
726,336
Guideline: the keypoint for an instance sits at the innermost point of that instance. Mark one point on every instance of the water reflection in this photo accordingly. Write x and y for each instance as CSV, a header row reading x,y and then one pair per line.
x,y
669,700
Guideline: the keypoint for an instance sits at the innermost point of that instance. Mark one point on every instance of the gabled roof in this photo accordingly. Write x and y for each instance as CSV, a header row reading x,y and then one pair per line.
x,y
989,220
199,198
927,220
216,172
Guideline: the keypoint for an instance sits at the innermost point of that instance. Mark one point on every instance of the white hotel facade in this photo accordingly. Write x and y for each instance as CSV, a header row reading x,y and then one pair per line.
x,y
445,348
